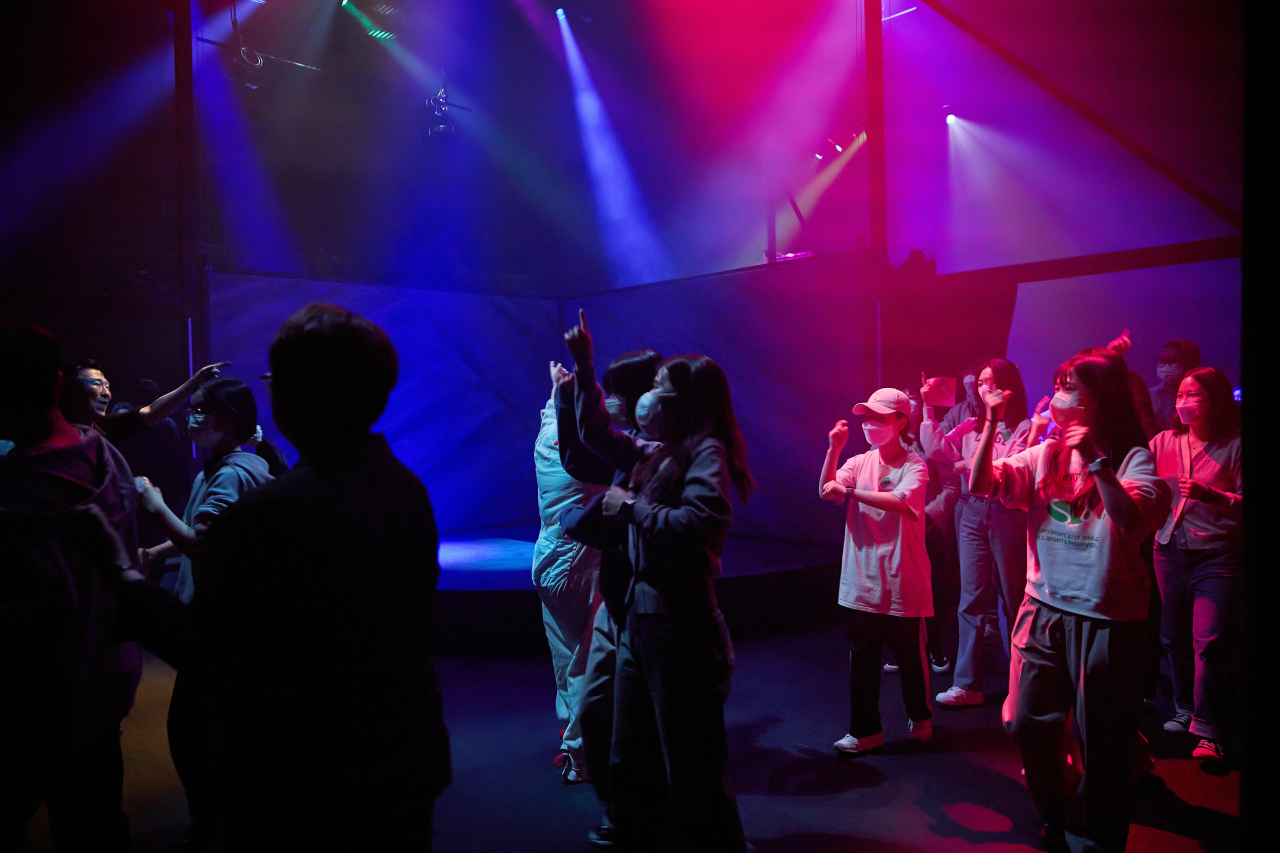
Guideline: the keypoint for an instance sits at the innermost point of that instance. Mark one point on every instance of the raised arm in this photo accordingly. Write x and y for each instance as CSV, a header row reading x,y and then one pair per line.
x,y
595,427
577,461
828,488
1119,504
165,405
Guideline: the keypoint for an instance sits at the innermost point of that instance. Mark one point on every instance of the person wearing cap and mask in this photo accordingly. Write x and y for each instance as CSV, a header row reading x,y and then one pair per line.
x,y
885,583
1177,358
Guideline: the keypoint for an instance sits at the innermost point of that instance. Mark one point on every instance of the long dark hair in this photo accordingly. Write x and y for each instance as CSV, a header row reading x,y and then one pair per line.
x,y
1116,427
234,399
702,408
1224,415
1007,378
631,374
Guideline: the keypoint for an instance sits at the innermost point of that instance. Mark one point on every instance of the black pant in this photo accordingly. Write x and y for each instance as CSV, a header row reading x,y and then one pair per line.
x,y
80,785
867,633
944,560
1065,663
194,754
668,774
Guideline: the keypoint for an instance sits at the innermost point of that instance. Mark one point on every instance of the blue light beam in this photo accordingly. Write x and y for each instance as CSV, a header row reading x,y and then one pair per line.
x,y
634,251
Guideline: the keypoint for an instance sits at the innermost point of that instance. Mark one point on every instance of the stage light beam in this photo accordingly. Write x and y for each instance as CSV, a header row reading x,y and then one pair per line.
x,y
632,247
951,119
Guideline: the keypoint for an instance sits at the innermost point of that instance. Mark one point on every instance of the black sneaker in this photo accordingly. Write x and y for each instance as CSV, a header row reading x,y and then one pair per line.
x,y
938,662
601,836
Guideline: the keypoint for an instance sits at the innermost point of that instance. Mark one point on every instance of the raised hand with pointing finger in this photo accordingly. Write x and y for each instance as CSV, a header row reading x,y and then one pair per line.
x,y
578,340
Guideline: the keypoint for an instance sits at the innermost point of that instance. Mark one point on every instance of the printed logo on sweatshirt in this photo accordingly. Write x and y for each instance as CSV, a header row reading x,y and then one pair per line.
x,y
1060,511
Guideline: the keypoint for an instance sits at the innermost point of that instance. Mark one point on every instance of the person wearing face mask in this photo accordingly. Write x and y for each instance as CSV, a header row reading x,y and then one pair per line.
x,y
991,536
966,408
1092,496
565,575
885,582
1198,555
1177,358
625,381
223,416
668,766
86,400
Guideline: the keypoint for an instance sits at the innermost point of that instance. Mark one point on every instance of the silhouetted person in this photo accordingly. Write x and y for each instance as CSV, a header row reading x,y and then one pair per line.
x,y
309,637
65,684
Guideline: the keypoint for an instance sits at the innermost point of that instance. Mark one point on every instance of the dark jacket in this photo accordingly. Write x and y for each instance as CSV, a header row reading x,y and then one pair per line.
x,y
679,524
311,638
63,674
587,524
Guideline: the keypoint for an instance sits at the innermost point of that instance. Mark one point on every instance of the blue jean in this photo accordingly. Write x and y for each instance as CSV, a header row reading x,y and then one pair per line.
x,y
993,562
1202,594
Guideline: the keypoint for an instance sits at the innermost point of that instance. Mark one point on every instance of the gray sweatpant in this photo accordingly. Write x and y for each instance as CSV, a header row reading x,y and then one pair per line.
x,y
1064,663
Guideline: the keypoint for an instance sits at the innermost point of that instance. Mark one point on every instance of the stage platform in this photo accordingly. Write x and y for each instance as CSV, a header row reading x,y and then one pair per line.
x,y
486,603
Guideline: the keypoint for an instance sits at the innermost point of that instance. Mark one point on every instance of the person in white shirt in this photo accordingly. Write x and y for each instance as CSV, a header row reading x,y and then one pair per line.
x,y
564,574
885,575
991,536
1092,496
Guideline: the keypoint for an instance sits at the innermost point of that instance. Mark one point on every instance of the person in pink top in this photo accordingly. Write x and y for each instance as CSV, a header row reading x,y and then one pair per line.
x,y
1092,497
991,536
1198,555
884,578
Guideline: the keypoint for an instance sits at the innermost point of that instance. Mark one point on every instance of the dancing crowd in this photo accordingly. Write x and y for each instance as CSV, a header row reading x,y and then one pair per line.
x,y
1091,536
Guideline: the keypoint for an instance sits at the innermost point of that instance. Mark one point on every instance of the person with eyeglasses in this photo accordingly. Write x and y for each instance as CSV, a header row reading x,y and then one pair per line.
x,y
1177,358
86,400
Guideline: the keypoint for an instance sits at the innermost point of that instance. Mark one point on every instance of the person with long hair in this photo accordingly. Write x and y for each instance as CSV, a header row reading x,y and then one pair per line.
x,y
627,378
668,766
1198,558
991,536
1092,495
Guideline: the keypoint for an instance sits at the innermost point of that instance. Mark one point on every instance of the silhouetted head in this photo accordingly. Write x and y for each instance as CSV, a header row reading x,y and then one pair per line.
x,y
331,374
625,380
30,382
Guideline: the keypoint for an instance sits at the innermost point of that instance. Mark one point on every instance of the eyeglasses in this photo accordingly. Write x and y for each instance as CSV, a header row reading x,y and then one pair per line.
x,y
199,410
97,383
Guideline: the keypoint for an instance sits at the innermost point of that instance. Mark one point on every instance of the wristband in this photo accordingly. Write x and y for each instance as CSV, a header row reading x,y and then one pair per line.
x,y
1102,463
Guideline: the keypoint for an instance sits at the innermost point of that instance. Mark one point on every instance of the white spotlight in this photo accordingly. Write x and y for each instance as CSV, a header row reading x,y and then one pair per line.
x,y
951,119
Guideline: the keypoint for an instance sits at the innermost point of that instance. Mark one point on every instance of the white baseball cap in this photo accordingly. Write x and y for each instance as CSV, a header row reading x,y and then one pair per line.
x,y
884,402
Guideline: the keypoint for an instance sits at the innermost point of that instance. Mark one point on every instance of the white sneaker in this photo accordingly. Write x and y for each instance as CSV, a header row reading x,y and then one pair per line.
x,y
958,697
1209,750
1180,723
851,745
890,667
920,732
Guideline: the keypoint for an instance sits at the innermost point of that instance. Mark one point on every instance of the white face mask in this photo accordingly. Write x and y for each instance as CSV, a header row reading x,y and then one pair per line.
x,y
1168,373
206,438
1065,409
651,416
1190,413
878,435
617,412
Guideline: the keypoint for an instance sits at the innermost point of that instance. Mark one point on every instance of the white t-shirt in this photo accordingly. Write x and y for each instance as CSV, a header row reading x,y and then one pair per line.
x,y
885,568
1084,565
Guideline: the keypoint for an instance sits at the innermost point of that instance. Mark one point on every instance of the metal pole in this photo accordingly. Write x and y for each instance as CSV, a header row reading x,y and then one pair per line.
x,y
877,180
195,297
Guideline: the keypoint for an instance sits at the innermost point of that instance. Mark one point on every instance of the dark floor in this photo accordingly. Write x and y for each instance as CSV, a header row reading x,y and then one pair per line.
x,y
789,704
